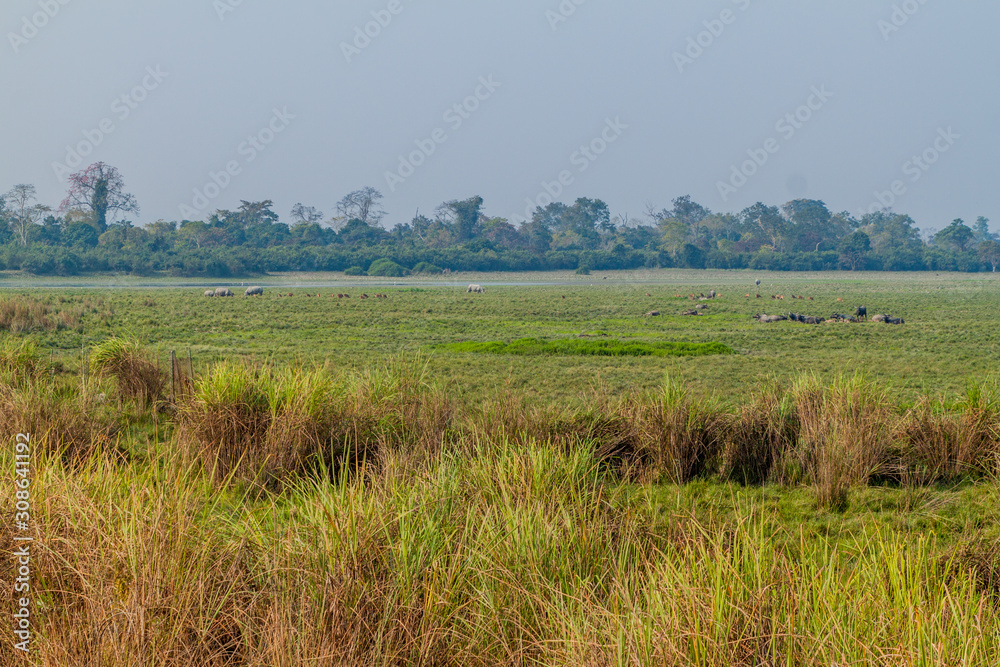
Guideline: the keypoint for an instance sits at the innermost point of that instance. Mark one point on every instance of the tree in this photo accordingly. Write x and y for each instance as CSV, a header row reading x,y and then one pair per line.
x,y
810,223
306,214
100,189
766,223
854,249
675,233
364,205
989,252
689,212
464,215
25,212
956,236
982,229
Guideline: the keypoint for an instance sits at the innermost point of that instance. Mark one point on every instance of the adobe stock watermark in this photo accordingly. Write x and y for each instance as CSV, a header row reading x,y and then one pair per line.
x,y
914,168
562,13
787,126
581,159
714,29
365,34
122,107
901,15
248,150
223,7
455,117
22,555
31,25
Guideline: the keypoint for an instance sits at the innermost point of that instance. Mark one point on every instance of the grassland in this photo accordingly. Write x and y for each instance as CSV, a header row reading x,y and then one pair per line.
x,y
951,334
352,481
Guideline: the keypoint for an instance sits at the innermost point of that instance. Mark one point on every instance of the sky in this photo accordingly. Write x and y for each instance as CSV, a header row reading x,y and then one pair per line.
x,y
863,104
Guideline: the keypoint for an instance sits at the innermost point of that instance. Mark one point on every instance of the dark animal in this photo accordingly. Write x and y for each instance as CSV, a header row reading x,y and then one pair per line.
x,y
653,313
861,313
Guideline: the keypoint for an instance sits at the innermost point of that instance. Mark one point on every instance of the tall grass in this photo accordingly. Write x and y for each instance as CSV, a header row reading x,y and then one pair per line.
x,y
139,378
266,424
24,315
497,553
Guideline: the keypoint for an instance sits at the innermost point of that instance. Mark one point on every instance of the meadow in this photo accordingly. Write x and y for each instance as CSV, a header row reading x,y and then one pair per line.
x,y
538,475
950,336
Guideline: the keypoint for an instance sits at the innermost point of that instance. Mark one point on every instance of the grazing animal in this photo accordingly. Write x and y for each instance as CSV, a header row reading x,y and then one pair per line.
x,y
879,318
475,289
759,296
861,313
254,291
210,292
653,313
647,294
711,295
895,320
757,282
223,291
701,306
767,319
693,313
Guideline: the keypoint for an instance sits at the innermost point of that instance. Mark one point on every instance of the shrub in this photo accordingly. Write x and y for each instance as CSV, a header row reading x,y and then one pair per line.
x,y
386,268
355,271
426,267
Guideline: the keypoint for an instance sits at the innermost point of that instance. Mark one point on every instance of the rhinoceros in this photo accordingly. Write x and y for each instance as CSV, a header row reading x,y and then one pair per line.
x,y
254,291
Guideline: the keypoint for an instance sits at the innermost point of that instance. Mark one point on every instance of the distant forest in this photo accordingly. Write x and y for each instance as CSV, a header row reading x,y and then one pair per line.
x,y
92,231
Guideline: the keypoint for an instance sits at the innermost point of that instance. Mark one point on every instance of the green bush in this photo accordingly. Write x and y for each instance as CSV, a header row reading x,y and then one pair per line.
x,y
355,271
426,267
386,268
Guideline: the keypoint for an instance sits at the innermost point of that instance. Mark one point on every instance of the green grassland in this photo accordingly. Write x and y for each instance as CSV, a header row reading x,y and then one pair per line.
x,y
539,475
951,333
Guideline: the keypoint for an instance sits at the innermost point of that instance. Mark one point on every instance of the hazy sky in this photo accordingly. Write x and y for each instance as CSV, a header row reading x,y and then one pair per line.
x,y
181,88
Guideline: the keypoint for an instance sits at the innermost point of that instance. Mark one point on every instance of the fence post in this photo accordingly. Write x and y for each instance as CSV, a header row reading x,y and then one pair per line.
x,y
173,376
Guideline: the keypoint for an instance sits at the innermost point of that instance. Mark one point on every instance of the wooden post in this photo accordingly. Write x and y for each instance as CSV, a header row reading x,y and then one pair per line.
x,y
173,376
190,370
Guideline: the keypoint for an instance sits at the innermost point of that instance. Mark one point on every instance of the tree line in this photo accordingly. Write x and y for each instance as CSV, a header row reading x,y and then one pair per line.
x,y
92,231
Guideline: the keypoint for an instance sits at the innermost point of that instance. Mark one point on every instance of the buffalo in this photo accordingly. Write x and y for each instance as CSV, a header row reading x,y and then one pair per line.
x,y
862,313
767,319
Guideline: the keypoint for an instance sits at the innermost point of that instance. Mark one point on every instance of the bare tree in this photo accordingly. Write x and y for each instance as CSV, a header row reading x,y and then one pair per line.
x,y
24,212
100,189
306,214
364,205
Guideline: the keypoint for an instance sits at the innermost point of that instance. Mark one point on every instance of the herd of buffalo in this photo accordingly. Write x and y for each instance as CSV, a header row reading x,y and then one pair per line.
x,y
860,314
